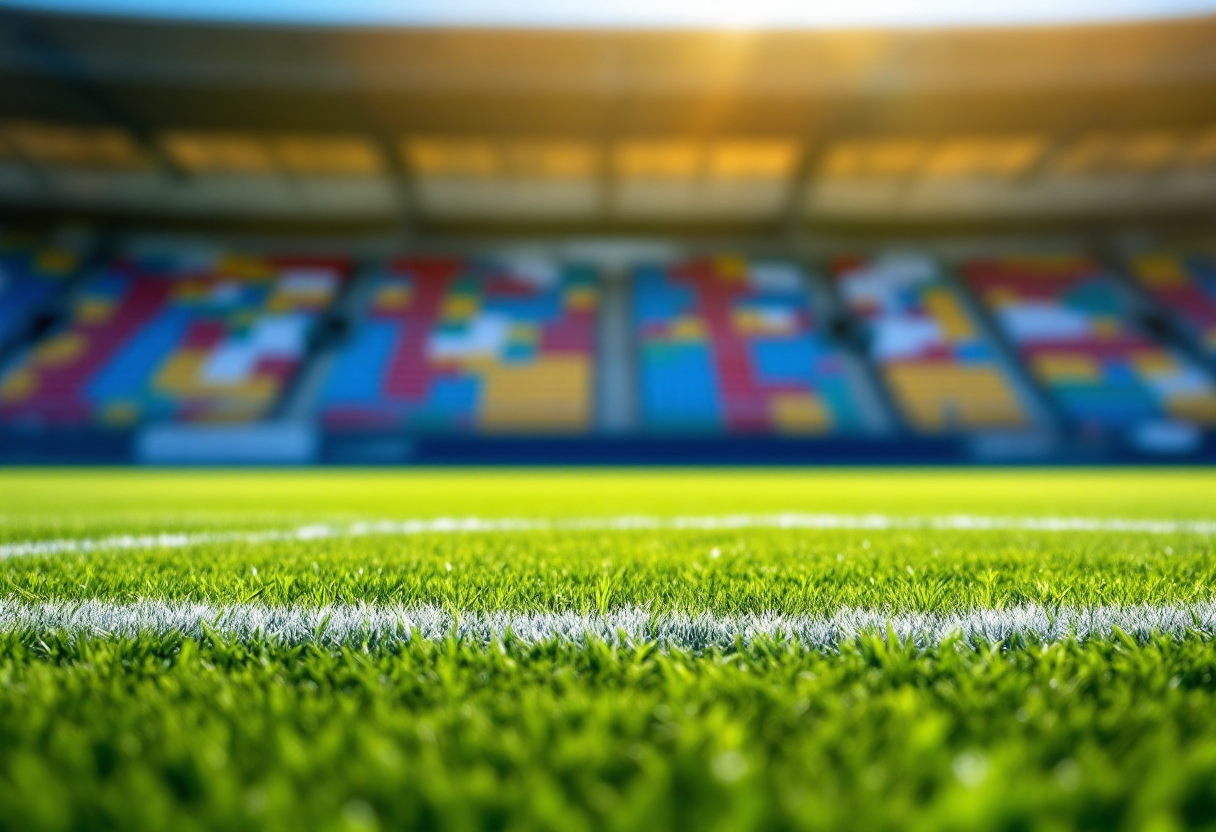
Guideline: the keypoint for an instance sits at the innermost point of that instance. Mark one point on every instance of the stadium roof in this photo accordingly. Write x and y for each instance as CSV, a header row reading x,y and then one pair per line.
x,y
770,130
641,13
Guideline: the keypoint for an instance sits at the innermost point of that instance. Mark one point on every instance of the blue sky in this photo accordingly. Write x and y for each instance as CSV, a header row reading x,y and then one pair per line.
x,y
645,13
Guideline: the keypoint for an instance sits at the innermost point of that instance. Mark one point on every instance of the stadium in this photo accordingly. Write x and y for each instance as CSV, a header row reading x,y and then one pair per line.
x,y
543,420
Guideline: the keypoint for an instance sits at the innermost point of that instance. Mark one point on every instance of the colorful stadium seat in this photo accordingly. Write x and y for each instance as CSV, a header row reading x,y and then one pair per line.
x,y
1077,334
940,367
211,340
1187,287
463,346
30,277
731,346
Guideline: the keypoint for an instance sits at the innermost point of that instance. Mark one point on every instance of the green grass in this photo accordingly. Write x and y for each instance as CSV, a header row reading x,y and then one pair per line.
x,y
166,732
793,572
163,735
50,503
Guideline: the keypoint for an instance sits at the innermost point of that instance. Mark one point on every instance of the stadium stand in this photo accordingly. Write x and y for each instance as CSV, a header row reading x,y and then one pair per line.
x,y
479,347
173,338
460,345
727,345
31,276
941,368
1186,287
1079,336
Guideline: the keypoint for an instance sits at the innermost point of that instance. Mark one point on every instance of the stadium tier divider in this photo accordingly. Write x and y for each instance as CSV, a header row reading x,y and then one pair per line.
x,y
1080,334
851,335
940,365
616,358
37,274
1180,287
856,339
1043,409
335,330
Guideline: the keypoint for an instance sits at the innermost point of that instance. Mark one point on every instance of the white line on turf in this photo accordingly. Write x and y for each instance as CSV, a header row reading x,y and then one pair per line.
x,y
724,522
361,624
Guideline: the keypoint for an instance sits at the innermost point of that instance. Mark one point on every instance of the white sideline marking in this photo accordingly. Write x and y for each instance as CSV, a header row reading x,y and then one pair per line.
x,y
480,525
362,624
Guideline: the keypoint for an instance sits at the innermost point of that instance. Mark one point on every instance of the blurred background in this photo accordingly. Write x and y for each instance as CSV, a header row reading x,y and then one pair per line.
x,y
384,233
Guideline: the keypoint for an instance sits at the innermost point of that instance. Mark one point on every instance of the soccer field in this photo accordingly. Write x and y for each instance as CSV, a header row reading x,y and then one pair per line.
x,y
570,650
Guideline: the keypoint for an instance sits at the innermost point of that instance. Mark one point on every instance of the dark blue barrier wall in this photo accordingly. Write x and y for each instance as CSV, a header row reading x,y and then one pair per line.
x,y
103,447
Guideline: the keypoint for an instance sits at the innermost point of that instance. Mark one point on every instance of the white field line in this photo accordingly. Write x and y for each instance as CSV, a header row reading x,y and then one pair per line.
x,y
724,522
361,624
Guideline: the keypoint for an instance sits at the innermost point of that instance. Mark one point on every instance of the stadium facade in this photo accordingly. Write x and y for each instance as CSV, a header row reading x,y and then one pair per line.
x,y
271,244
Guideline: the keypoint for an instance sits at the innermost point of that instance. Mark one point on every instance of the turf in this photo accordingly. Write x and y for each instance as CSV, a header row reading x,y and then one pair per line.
x,y
160,730
791,572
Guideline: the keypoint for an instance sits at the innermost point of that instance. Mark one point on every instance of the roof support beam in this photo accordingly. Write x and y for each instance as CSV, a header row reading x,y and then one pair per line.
x,y
793,214
401,177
